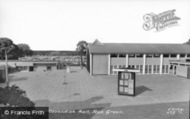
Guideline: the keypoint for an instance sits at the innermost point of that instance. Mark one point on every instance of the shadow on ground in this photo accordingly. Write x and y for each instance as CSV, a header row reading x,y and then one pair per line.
x,y
141,89
73,109
174,110
12,78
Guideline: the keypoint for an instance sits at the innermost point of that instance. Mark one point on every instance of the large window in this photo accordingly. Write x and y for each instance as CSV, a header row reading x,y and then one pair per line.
x,y
182,55
139,55
163,69
146,69
131,55
166,55
156,55
149,55
113,55
158,68
154,69
150,69
167,68
122,55
173,55
141,68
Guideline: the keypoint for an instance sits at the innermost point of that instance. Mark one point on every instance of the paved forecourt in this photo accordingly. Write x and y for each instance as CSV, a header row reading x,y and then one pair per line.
x,y
49,87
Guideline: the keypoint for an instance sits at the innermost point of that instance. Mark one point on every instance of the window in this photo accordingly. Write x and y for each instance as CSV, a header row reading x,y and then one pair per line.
x,y
154,69
171,67
182,55
163,69
111,69
156,55
188,55
173,55
122,55
146,69
113,55
150,69
137,67
158,68
131,55
149,55
166,55
115,67
166,68
139,55
141,68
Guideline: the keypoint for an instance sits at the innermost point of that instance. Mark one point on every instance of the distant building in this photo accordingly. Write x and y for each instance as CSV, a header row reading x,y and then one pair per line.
x,y
32,65
147,58
181,68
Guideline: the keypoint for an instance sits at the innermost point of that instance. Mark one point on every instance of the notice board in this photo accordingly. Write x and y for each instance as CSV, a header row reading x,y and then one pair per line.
x,y
126,83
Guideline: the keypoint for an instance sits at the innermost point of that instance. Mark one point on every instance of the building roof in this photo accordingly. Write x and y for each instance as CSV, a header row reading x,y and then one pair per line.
x,y
139,48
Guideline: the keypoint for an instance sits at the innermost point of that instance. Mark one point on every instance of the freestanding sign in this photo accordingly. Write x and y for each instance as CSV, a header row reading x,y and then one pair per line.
x,y
126,81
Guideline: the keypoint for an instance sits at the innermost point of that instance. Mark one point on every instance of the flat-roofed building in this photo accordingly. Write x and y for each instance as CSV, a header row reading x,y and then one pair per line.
x,y
180,68
32,65
148,58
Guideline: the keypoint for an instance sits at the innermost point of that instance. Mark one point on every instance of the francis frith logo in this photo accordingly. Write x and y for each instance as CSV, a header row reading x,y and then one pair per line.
x,y
160,21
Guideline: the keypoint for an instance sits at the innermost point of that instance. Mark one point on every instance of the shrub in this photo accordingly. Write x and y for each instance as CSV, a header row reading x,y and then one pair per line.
x,y
14,97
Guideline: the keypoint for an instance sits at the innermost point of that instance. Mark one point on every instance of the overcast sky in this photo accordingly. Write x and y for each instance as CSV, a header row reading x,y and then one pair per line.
x,y
60,24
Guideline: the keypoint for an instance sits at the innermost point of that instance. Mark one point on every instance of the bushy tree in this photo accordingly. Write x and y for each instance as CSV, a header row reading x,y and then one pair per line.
x,y
24,50
14,97
82,48
6,46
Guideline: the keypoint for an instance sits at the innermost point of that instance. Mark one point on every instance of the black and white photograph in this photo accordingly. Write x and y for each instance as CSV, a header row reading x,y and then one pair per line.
x,y
94,59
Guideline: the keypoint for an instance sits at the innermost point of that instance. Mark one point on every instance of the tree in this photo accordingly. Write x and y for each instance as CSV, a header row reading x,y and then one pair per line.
x,y
13,54
15,97
24,50
82,48
6,45
188,42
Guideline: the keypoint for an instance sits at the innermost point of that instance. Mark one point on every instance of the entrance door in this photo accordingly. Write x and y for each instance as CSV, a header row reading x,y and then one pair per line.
x,y
48,67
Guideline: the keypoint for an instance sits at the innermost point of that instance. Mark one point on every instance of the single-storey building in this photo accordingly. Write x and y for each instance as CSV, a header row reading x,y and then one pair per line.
x,y
32,65
102,58
181,68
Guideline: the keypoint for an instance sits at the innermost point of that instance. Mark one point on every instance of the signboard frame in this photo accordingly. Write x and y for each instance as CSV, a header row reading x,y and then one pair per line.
x,y
125,87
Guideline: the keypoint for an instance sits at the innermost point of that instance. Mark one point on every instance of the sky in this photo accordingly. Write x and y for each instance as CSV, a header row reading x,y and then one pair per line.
x,y
61,24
